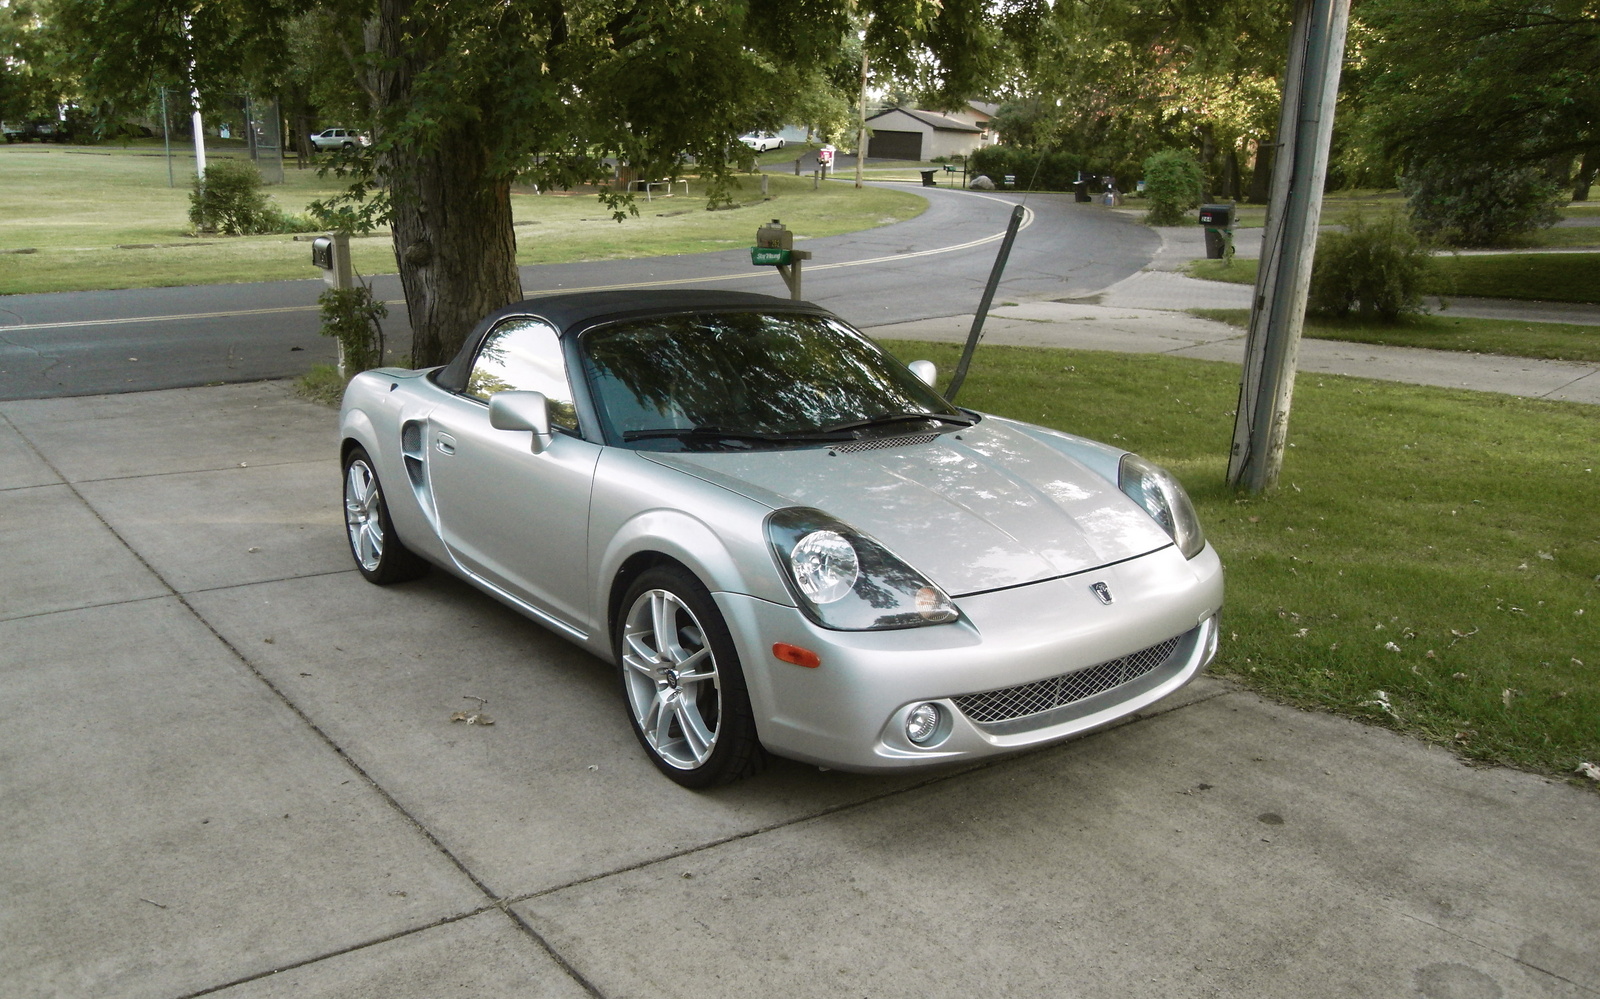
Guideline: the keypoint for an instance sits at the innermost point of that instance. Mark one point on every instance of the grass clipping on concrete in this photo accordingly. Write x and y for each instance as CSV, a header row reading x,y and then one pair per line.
x,y
1430,562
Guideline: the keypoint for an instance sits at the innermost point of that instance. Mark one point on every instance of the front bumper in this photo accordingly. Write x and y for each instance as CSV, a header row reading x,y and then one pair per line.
x,y
1023,667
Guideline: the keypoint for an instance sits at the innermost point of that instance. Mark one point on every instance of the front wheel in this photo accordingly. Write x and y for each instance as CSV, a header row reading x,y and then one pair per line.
x,y
682,682
378,551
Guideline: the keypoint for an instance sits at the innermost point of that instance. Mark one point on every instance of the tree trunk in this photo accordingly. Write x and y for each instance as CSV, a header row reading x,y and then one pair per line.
x,y
1586,174
453,241
1261,176
1230,174
451,215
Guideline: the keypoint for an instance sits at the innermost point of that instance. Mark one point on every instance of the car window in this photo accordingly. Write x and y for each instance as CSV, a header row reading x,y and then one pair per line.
x,y
744,372
524,355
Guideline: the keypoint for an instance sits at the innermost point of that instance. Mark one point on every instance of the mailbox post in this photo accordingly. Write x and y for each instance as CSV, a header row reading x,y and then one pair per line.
x,y
775,248
332,254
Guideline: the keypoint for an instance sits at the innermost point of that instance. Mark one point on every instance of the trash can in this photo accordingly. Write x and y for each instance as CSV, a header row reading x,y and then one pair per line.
x,y
1218,220
927,178
1080,191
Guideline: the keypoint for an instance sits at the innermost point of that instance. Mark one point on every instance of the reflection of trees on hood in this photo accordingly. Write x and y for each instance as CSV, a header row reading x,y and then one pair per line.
x,y
750,371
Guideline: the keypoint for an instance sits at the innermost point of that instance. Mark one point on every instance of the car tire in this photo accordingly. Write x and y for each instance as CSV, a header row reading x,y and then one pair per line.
x,y
379,553
682,683
348,145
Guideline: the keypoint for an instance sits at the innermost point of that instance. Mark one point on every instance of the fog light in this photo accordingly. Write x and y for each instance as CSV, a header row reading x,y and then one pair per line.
x,y
922,722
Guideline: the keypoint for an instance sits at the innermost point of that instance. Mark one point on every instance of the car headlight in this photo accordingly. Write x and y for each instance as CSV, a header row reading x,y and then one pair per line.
x,y
1155,489
845,580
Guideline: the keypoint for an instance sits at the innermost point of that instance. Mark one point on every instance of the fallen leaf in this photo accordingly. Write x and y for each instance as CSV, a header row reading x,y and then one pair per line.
x,y
1391,646
1508,695
1380,699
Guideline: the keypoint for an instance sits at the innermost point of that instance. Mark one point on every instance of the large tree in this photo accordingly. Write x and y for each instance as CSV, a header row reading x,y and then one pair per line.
x,y
1123,79
1491,82
468,95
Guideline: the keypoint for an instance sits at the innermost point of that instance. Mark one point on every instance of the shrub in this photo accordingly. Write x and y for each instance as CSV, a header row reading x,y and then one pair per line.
x,y
1052,171
231,202
1373,268
353,317
1174,183
1478,204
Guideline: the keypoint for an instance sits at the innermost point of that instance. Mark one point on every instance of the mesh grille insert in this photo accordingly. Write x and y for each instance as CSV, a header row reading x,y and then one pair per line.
x,y
1056,691
878,442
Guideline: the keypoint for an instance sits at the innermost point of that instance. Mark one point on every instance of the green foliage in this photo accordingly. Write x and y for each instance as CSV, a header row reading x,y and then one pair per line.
x,y
1478,81
1174,183
353,317
1374,268
1476,204
1036,171
231,202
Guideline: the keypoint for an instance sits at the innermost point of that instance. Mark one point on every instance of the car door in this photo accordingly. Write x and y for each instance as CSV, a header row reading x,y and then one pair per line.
x,y
517,520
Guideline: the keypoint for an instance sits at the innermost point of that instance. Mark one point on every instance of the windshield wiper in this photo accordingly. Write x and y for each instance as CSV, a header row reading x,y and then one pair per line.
x,y
883,419
721,434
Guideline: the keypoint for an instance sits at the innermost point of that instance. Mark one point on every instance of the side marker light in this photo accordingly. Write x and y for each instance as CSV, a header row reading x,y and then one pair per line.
x,y
795,654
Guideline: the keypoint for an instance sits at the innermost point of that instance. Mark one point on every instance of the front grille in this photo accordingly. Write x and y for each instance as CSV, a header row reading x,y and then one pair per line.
x,y
878,442
1068,688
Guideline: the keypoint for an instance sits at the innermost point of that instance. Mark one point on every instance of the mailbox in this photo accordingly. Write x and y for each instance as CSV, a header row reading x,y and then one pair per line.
x,y
774,245
775,236
1217,216
332,254
1218,220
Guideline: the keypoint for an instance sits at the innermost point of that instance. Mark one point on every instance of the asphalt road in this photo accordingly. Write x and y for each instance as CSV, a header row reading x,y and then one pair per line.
x,y
90,343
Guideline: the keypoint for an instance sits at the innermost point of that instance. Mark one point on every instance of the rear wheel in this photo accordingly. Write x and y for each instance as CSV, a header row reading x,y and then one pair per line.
x,y
378,551
682,682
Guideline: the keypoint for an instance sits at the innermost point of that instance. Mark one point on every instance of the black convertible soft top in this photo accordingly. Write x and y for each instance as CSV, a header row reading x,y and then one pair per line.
x,y
573,312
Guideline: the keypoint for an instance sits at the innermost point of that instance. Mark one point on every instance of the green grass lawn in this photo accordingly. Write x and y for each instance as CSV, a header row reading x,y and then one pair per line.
x,y
1549,277
76,207
1430,562
1442,331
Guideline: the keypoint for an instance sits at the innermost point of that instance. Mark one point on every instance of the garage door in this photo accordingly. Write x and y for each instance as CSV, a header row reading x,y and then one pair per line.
x,y
895,145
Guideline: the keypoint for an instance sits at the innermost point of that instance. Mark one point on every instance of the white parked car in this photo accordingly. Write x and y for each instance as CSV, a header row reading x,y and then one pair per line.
x,y
338,138
762,141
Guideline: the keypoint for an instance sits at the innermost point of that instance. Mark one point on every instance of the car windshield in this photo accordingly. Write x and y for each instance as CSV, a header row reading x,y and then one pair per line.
x,y
741,380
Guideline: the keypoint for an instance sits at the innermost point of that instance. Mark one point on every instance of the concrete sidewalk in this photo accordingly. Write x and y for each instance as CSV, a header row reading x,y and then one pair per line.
x,y
1143,314
228,767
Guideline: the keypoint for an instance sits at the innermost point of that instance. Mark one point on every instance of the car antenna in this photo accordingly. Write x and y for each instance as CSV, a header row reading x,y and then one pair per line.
x,y
976,333
1018,210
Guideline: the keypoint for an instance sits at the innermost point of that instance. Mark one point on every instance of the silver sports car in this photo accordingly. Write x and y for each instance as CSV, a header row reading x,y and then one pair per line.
x,y
786,540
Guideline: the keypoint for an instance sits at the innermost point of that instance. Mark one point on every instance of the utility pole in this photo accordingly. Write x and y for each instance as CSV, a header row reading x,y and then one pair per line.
x,y
194,96
861,133
1305,129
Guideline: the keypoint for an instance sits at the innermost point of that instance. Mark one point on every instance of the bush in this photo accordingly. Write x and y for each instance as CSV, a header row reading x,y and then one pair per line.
x,y
231,202
1052,171
353,317
1373,268
1174,184
1479,204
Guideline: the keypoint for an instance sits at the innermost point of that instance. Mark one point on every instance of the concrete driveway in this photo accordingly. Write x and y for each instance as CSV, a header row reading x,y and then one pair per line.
x,y
228,767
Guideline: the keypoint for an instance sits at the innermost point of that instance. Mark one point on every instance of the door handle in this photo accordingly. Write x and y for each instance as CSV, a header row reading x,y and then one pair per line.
x,y
445,443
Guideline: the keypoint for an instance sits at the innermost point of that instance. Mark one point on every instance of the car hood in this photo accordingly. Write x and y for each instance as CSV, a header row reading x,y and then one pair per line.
x,y
989,508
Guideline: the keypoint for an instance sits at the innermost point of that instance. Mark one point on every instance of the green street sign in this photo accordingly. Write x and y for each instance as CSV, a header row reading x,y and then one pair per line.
x,y
769,255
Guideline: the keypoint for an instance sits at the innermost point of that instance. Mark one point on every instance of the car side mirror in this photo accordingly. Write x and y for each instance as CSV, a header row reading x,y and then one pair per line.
x,y
926,371
522,411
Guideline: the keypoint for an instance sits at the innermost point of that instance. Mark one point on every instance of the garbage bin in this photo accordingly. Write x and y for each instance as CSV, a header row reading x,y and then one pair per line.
x,y
927,178
1218,220
1080,191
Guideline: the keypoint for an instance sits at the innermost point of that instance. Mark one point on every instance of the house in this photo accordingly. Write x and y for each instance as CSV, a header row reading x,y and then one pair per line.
x,y
909,134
